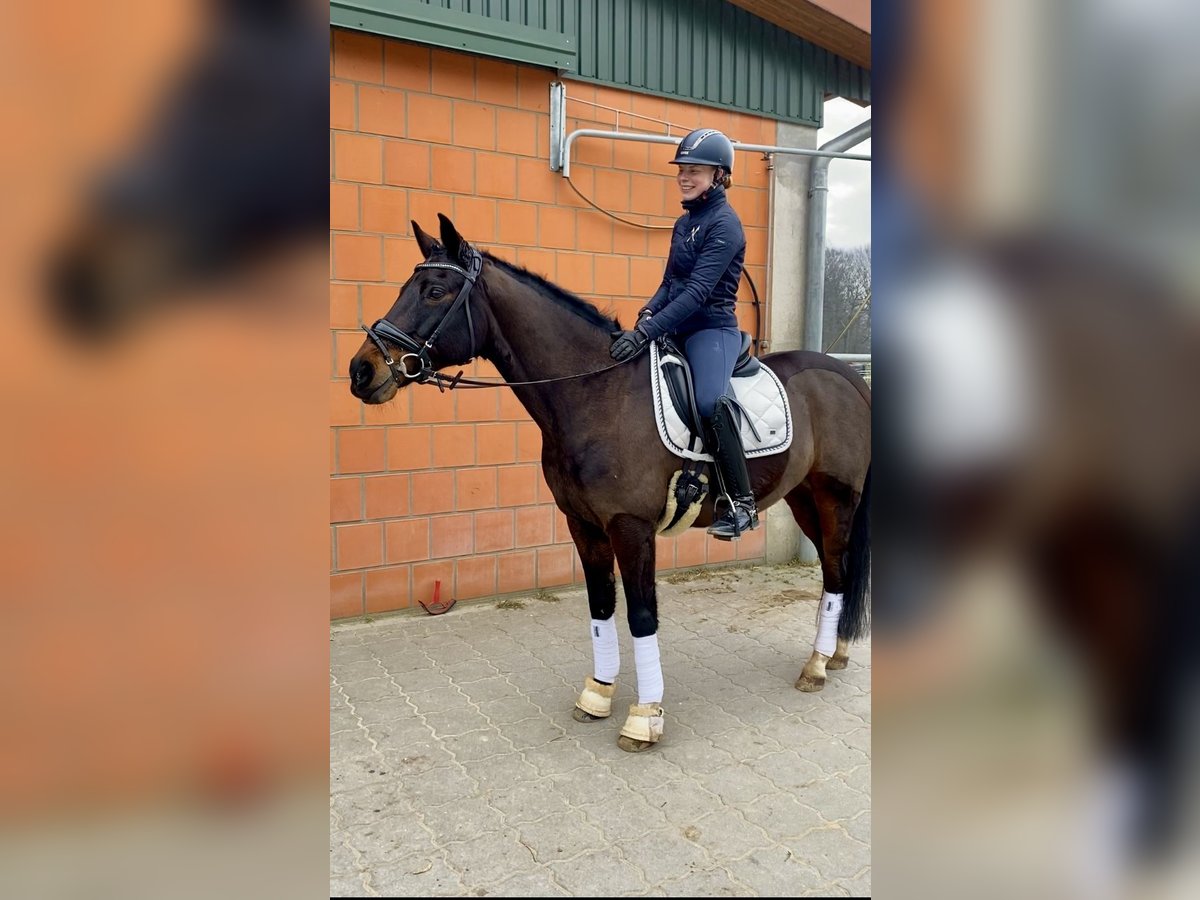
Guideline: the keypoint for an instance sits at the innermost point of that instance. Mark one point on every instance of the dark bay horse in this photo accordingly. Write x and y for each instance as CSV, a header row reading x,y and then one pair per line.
x,y
601,456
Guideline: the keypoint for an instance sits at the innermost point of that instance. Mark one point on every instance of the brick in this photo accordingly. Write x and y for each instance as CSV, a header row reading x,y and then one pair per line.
x,y
529,442
645,105
544,494
358,257
567,193
453,445
345,595
384,210
343,206
406,66
388,589
595,233
474,125
341,105
664,553
534,526
575,272
533,89
359,546
495,175
612,190
409,448
346,345
453,170
756,246
431,405
753,544
344,407
478,405
556,228
343,306
406,164
612,278
535,181
475,218
690,548
721,551
357,157
424,576
495,82
540,262
400,257
554,566
647,194
518,223
518,485
381,111
451,536
424,207
429,119
357,56
645,275
432,492
562,531
476,488
516,571
593,152
494,530
453,74
475,578
360,450
345,499
516,132
407,540
386,496
496,443
629,240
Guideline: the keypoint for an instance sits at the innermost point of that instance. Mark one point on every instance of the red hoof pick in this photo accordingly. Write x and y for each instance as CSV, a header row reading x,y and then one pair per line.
x,y
436,607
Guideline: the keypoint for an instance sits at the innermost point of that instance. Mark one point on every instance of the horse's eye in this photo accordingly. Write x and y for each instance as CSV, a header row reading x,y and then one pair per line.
x,y
437,292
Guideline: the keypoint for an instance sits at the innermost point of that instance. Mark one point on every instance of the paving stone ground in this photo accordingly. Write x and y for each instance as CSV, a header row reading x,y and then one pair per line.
x,y
456,768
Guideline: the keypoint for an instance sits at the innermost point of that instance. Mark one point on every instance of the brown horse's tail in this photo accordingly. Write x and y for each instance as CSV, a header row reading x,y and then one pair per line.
x,y
855,620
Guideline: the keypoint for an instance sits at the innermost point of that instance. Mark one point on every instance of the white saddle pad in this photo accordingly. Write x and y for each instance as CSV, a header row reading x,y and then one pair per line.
x,y
766,428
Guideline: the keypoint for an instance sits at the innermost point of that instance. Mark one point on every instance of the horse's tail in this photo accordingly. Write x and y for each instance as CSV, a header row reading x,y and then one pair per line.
x,y
855,620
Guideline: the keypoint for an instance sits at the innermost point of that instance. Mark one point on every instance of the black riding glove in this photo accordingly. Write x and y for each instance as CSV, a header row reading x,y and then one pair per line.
x,y
628,344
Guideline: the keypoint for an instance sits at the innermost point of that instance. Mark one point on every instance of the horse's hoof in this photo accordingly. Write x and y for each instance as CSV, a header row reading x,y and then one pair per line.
x,y
809,684
837,662
629,745
581,715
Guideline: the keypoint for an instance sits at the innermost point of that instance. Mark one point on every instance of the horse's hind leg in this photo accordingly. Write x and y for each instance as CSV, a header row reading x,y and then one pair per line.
x,y
804,511
633,542
596,554
834,503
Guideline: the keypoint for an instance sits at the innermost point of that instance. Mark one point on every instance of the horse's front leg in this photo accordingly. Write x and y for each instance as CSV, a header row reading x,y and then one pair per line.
x,y
633,542
596,554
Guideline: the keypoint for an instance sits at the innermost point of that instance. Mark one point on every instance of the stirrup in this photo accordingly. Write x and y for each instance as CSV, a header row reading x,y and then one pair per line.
x,y
729,527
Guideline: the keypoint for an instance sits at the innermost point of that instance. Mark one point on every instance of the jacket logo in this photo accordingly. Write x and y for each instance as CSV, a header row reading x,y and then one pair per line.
x,y
692,236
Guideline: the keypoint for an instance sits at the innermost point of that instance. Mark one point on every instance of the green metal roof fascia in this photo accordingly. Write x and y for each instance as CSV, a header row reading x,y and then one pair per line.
x,y
426,24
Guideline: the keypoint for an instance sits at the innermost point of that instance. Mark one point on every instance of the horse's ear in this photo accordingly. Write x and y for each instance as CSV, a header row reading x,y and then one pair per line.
x,y
427,243
456,246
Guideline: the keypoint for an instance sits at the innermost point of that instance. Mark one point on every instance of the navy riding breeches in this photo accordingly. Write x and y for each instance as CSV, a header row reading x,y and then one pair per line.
x,y
711,354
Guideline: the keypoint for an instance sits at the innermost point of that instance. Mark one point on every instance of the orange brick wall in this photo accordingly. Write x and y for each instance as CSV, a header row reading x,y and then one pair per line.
x,y
448,486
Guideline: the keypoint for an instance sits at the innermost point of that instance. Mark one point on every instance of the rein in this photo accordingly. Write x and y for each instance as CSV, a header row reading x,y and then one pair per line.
x,y
383,330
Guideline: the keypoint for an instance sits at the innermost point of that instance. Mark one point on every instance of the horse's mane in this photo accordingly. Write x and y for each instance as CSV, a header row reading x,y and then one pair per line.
x,y
586,311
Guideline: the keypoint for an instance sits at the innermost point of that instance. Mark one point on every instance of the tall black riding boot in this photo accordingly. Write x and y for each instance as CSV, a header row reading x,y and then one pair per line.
x,y
725,444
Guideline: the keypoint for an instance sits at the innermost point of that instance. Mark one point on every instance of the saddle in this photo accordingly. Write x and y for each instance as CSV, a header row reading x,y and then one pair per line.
x,y
764,418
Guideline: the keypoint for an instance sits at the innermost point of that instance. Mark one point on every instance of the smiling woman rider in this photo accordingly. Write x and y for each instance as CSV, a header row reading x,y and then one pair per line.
x,y
695,302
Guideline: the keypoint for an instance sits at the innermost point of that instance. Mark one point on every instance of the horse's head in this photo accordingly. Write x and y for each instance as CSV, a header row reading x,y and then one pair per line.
x,y
431,324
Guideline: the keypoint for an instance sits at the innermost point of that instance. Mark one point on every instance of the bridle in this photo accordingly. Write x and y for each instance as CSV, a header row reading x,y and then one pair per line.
x,y
384,330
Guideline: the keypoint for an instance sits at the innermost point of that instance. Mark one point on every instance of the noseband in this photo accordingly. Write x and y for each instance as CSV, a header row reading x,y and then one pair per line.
x,y
383,330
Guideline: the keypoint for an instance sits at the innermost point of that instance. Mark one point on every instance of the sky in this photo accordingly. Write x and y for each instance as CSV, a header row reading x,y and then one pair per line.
x,y
849,206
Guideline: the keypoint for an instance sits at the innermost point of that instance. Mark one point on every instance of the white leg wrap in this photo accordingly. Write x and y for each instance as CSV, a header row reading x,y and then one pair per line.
x,y
649,670
827,623
605,651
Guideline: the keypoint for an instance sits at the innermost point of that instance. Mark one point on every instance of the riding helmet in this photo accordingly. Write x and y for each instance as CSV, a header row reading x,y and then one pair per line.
x,y
705,147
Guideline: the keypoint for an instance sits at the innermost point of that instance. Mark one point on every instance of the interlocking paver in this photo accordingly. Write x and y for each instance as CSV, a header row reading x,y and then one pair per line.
x,y
756,790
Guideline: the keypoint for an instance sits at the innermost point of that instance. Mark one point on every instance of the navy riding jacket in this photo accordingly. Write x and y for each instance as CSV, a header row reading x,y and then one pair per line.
x,y
699,287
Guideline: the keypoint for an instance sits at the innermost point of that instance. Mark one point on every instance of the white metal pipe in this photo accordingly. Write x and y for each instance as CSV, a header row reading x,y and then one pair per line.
x,y
663,139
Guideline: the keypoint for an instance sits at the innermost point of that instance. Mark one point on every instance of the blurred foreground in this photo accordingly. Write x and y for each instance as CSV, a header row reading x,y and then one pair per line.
x,y
1036,585
162,471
